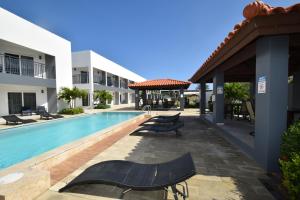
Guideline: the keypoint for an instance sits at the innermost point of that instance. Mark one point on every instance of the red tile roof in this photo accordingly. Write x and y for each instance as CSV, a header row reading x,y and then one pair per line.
x,y
160,84
252,10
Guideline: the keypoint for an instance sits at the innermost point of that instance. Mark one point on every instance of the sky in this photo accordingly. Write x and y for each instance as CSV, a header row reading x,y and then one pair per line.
x,y
153,38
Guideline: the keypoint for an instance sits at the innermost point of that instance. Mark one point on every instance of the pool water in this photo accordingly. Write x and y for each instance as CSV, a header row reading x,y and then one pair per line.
x,y
21,143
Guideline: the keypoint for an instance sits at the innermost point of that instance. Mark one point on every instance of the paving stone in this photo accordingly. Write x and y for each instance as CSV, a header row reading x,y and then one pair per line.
x,y
223,172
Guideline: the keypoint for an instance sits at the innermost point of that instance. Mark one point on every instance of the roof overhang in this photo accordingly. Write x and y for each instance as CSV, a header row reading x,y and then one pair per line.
x,y
276,24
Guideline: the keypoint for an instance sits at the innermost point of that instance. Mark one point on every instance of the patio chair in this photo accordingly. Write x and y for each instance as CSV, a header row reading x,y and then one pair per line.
x,y
26,111
161,128
40,109
251,114
46,115
15,120
142,177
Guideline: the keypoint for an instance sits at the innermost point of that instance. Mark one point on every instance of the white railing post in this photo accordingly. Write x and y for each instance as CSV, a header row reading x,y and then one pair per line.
x,y
20,65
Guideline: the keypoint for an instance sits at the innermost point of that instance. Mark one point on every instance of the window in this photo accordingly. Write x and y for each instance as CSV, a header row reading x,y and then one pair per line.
x,y
84,77
85,101
12,64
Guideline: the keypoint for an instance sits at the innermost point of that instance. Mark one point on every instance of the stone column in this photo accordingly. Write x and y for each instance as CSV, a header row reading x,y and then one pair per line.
x,y
181,96
218,98
137,99
272,55
202,101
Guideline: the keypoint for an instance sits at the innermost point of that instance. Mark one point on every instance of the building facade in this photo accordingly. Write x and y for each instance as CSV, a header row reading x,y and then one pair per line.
x,y
92,72
33,65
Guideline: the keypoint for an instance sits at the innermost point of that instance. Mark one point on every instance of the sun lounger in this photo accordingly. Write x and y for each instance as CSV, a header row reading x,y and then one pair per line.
x,y
166,116
46,115
14,119
143,177
165,119
161,128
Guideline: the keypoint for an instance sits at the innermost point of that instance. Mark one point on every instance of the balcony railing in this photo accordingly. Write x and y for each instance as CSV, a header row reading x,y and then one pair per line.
x,y
99,80
25,67
80,79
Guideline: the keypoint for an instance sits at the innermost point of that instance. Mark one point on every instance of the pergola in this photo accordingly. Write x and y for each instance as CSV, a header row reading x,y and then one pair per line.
x,y
159,84
264,50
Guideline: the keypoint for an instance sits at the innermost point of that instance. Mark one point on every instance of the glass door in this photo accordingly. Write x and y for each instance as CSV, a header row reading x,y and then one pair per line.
x,y
30,100
14,103
12,64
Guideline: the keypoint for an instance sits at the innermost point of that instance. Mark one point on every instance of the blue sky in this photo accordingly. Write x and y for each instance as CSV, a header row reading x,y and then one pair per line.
x,y
154,38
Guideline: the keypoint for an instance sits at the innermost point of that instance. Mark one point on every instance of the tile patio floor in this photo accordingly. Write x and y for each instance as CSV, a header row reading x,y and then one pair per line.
x,y
223,172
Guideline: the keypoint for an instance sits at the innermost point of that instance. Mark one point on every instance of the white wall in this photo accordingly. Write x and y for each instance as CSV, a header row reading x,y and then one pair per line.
x,y
22,32
41,98
90,58
12,48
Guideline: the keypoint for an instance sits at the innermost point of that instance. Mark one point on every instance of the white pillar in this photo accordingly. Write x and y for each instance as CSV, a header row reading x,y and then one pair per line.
x,y
91,83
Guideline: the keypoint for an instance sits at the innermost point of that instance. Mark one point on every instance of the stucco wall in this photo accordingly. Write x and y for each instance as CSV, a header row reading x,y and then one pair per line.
x,y
41,98
22,32
90,58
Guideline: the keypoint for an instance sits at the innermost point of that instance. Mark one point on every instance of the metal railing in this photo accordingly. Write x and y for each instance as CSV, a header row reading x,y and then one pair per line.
x,y
80,79
99,80
25,67
147,108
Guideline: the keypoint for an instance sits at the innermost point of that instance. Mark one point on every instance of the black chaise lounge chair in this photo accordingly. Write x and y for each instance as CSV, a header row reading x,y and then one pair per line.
x,y
143,177
46,115
165,119
14,119
161,128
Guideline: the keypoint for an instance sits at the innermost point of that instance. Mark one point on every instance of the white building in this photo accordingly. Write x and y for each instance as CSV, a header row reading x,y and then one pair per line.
x,y
34,64
92,72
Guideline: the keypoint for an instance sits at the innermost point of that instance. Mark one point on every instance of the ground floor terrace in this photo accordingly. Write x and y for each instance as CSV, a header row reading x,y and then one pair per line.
x,y
223,171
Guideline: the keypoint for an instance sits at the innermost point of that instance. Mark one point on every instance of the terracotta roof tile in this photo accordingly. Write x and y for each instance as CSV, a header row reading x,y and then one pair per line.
x,y
160,83
252,10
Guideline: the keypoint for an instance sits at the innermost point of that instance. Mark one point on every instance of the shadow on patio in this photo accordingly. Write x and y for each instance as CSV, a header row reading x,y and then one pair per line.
x,y
223,172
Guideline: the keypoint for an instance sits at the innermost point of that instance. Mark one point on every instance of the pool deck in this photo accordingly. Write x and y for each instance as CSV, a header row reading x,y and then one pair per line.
x,y
223,172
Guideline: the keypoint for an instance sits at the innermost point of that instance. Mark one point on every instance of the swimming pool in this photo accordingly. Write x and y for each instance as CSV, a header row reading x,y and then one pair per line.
x,y
21,143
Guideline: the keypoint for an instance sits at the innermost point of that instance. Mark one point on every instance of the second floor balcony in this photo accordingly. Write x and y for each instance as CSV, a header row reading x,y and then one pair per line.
x,y
25,66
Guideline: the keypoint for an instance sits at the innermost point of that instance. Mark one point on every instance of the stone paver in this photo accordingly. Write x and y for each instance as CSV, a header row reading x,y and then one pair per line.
x,y
223,172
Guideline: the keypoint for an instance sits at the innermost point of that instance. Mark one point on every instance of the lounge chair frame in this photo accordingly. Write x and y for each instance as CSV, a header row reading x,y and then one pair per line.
x,y
140,177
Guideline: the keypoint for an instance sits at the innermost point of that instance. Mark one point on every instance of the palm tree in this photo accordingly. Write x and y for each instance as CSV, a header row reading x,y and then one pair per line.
x,y
102,96
70,94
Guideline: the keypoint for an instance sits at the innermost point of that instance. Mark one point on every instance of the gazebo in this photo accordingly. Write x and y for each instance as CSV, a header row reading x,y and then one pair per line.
x,y
263,50
143,88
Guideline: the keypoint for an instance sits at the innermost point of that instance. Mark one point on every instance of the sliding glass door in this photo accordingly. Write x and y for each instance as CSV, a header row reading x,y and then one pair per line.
x,y
30,100
14,102
12,64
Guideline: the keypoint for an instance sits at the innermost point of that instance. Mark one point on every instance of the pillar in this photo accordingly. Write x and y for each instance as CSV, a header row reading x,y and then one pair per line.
x,y
137,99
272,54
91,82
202,97
181,96
218,98
296,89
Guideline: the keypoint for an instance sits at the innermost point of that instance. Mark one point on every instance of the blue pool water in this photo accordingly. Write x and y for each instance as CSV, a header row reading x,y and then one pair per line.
x,y
21,143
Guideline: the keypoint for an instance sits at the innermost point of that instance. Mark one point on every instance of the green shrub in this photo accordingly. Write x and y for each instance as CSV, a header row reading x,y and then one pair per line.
x,y
291,141
291,175
71,111
102,106
290,160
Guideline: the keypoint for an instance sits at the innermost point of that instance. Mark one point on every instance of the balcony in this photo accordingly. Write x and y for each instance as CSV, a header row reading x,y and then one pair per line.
x,y
80,79
25,66
99,80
